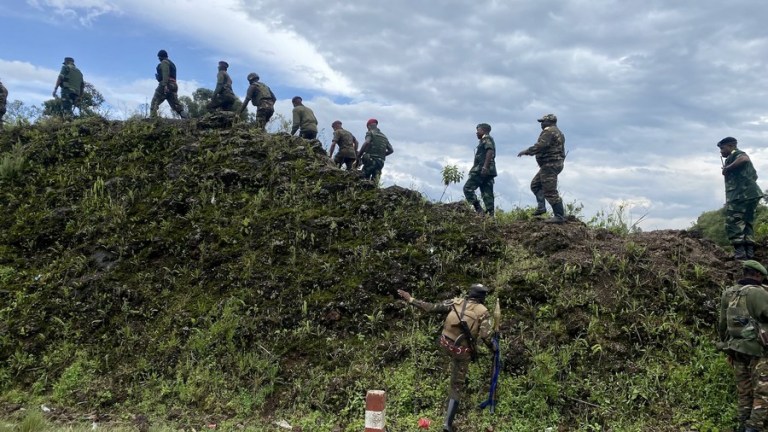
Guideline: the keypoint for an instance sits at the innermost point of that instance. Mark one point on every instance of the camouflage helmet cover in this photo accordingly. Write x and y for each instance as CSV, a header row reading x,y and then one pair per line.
x,y
550,118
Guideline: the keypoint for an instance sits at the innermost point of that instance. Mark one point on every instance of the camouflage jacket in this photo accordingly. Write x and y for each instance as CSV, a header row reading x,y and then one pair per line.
x,y
477,313
741,183
345,141
260,95
380,146
223,85
550,147
303,119
485,144
71,79
166,71
3,94
746,301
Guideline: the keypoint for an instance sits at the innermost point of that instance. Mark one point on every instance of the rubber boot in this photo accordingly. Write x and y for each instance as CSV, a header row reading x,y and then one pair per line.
x,y
739,253
541,205
749,250
478,207
559,212
453,406
489,212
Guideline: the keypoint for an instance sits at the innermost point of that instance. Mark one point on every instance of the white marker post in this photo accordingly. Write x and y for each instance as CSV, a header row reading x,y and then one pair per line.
x,y
375,412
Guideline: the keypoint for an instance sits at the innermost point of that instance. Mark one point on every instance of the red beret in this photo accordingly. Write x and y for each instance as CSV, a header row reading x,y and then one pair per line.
x,y
371,121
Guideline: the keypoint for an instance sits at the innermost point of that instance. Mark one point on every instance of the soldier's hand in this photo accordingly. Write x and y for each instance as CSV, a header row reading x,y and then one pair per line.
x,y
54,93
522,153
404,294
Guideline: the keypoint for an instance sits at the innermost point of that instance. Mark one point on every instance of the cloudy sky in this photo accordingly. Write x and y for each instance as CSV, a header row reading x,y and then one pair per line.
x,y
642,90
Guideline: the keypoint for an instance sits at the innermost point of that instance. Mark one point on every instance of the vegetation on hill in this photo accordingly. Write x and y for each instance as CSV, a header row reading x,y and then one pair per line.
x,y
194,272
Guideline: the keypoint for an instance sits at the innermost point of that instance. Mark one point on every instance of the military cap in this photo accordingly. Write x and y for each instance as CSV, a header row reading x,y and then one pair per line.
x,y
336,122
484,126
754,265
68,60
548,118
371,121
478,291
223,64
727,140
162,54
253,76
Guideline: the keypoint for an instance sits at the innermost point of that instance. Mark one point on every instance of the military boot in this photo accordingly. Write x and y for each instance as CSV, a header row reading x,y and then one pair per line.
x,y
478,207
739,253
453,406
559,212
541,205
749,250
489,212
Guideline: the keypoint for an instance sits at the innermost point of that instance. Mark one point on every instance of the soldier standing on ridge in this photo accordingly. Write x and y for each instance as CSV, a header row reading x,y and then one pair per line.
x,y
223,96
742,194
374,152
550,155
3,101
260,96
743,311
347,154
72,85
304,120
167,88
483,171
460,346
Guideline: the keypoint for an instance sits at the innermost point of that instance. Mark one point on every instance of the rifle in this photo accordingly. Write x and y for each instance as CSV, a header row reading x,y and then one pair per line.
x,y
491,401
466,331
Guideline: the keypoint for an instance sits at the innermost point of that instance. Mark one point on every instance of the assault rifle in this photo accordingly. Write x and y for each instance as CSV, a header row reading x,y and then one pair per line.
x,y
466,331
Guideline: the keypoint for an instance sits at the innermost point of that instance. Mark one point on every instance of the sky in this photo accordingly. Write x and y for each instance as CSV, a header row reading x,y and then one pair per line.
x,y
643,91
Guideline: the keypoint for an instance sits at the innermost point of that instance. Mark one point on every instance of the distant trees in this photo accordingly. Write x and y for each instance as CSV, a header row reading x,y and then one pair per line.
x,y
196,105
90,103
712,225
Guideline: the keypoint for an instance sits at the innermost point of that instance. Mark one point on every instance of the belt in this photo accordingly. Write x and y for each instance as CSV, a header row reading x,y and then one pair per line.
x,y
451,346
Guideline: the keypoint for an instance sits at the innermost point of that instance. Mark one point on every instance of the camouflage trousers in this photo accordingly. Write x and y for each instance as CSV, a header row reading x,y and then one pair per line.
x,y
372,167
2,113
68,101
309,134
262,117
751,374
347,161
224,101
485,183
459,368
545,182
739,220
160,96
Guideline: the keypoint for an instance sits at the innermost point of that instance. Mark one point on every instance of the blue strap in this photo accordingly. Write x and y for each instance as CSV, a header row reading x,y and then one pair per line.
x,y
491,401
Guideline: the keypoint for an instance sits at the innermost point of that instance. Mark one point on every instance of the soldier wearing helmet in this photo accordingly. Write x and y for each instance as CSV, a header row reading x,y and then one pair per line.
x,y
550,155
223,97
467,320
167,88
72,85
260,96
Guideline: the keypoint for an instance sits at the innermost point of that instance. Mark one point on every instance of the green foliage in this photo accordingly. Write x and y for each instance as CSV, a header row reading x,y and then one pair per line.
x,y
196,106
19,114
618,220
712,225
451,174
91,103
12,163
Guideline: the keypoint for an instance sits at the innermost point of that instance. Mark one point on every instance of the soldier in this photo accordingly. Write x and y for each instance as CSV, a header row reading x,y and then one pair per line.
x,y
483,171
260,96
374,152
167,89
743,312
550,155
347,142
459,342
3,101
304,120
741,197
223,96
72,85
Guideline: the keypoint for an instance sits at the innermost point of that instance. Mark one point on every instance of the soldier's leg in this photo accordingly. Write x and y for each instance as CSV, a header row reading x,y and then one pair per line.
x,y
749,220
173,101
742,374
548,179
471,185
227,103
2,114
378,166
66,103
486,191
760,395
459,367
157,99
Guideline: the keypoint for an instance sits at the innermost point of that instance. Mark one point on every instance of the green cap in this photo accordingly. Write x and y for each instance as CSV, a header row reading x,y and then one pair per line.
x,y
754,265
484,126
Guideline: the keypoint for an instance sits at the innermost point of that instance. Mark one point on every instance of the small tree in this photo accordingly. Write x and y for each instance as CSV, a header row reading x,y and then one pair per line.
x,y
451,174
90,103
18,113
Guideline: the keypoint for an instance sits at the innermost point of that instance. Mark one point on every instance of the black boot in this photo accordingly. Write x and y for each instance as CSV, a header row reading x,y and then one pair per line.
x,y
478,207
739,253
749,250
489,212
453,406
541,205
559,212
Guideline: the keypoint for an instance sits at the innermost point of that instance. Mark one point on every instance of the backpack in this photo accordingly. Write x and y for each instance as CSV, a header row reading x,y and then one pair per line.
x,y
741,325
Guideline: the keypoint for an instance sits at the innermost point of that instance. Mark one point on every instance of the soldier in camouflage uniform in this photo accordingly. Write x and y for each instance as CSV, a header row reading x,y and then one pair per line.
x,y
741,197
72,85
223,97
3,101
743,310
304,120
453,340
483,171
550,155
374,152
260,96
347,154
167,88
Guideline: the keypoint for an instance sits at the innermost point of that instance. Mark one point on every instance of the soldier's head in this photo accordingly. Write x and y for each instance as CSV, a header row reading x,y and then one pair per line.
x,y
754,270
223,65
252,77
478,292
68,60
483,129
336,125
547,120
372,123
296,101
727,145
162,54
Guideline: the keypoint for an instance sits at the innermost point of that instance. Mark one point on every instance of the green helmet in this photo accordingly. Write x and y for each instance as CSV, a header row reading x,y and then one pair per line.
x,y
253,76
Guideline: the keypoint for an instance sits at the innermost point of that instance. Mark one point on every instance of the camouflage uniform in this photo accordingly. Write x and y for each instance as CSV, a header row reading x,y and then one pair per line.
x,y
305,122
3,101
477,180
550,156
223,96
347,146
260,96
72,85
167,88
742,195
374,155
742,308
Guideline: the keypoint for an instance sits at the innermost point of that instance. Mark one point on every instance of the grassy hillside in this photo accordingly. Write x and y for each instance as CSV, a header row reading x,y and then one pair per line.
x,y
185,273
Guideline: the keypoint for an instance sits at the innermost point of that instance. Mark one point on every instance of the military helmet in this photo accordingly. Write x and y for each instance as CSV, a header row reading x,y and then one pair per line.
x,y
162,54
253,76
551,118
478,291
68,60
223,64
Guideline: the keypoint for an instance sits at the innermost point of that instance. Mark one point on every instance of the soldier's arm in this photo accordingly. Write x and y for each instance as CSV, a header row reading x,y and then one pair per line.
x,y
364,149
544,141
248,98
485,330
296,121
425,306
739,161
165,72
390,150
722,323
489,155
219,84
59,80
